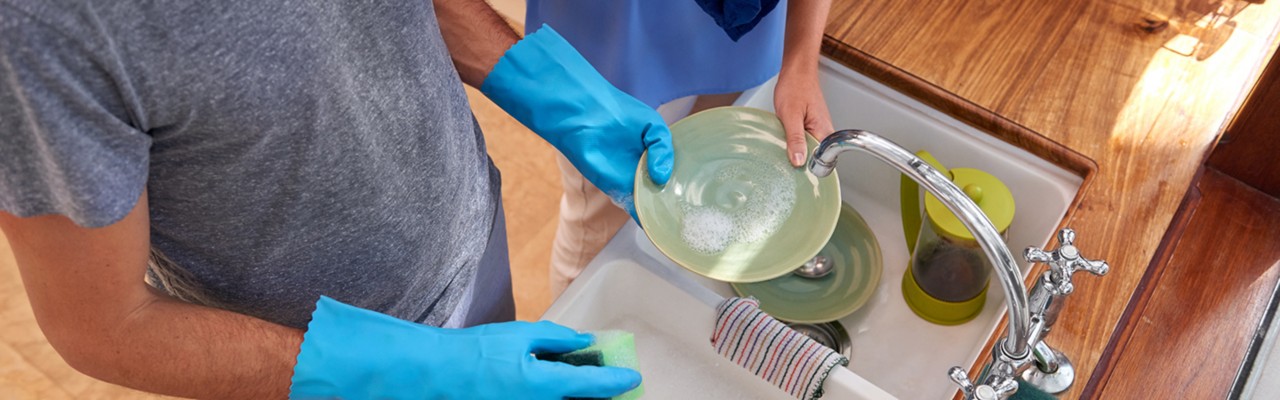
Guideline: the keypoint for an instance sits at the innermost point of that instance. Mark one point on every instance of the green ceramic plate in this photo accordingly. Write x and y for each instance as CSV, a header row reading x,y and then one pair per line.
x,y
856,255
735,210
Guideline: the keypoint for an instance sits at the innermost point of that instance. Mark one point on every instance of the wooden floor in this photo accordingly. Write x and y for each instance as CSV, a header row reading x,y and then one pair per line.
x,y
1193,319
30,369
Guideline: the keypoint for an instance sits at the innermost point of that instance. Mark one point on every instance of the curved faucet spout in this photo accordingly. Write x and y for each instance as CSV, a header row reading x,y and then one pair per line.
x,y
824,161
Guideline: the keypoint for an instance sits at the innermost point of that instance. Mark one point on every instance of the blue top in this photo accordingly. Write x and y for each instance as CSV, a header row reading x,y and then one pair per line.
x,y
662,50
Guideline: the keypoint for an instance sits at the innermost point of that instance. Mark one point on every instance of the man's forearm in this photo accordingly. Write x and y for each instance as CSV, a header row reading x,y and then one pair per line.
x,y
177,348
167,346
476,36
87,293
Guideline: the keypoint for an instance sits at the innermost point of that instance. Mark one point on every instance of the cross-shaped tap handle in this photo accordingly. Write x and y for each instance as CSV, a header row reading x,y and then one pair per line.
x,y
1001,390
1064,261
961,377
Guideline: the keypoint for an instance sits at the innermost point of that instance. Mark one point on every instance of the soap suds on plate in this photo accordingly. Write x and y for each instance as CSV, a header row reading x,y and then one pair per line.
x,y
706,229
767,196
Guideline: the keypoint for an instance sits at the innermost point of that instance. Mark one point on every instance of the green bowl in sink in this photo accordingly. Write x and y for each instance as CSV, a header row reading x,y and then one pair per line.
x,y
857,266
735,210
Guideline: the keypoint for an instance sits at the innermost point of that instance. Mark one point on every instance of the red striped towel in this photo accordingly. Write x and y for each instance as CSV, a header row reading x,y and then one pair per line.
x,y
771,350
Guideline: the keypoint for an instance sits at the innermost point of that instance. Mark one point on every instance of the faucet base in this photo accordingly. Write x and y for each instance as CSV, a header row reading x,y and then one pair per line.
x,y
1055,382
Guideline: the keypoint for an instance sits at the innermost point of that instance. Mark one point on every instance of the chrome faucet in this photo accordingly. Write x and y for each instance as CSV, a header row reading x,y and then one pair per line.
x,y
1023,345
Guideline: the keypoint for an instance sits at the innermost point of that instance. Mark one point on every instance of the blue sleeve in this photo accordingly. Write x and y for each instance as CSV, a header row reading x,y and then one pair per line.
x,y
66,144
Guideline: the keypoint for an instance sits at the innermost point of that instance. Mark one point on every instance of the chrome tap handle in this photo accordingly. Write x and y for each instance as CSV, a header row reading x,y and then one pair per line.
x,y
1052,372
961,377
1004,388
1064,262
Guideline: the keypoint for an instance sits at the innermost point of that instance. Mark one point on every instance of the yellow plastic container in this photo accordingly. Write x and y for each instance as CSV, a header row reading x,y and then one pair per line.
x,y
948,274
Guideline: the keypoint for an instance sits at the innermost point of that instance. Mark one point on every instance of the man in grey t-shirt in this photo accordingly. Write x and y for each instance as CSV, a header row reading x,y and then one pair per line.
x,y
262,155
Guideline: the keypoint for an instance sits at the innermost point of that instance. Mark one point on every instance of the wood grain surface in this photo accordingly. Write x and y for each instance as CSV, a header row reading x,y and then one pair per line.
x,y
1116,349
1143,88
1192,334
1249,148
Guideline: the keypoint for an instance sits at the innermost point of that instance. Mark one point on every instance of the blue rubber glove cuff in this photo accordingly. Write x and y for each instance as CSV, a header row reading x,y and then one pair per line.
x,y
353,353
548,86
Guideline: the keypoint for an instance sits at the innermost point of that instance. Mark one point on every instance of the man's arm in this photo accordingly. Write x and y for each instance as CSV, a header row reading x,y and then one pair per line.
x,y
476,36
86,288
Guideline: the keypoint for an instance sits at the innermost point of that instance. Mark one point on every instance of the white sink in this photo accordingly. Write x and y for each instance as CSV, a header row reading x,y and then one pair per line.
x,y
672,317
895,353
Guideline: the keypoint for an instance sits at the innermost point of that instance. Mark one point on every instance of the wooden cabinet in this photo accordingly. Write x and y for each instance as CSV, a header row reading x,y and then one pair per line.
x,y
1250,149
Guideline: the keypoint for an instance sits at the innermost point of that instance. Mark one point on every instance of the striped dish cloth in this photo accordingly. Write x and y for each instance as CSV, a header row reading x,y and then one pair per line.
x,y
771,350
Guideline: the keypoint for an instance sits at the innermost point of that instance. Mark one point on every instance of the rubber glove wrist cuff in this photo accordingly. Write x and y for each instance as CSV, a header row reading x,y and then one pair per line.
x,y
520,81
545,84
345,346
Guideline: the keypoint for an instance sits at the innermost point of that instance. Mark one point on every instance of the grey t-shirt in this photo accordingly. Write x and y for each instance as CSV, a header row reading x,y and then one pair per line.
x,y
289,149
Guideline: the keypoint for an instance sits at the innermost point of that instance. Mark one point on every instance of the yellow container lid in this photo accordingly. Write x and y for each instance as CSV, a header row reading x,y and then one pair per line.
x,y
991,195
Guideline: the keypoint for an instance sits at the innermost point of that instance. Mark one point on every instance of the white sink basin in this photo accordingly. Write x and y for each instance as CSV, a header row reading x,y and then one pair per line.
x,y
630,285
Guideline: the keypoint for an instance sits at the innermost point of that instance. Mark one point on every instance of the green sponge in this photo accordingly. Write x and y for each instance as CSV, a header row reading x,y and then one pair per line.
x,y
611,348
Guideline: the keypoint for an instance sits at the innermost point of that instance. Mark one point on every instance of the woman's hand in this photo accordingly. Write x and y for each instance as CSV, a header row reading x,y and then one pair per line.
x,y
800,105
798,98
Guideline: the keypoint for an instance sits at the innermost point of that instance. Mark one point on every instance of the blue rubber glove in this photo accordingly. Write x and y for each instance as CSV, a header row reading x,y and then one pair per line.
x,y
545,84
352,353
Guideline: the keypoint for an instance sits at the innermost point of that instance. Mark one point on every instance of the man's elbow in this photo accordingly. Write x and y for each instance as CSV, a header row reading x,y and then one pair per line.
x,y
85,348
97,346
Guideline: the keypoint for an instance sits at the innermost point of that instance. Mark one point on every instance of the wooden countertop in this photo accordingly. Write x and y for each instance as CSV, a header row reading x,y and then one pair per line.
x,y
1143,88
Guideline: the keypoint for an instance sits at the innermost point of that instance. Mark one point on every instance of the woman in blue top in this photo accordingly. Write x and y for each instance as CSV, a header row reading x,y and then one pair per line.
x,y
683,56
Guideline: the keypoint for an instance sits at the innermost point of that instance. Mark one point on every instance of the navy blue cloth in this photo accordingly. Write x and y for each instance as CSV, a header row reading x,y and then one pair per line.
x,y
737,17
489,299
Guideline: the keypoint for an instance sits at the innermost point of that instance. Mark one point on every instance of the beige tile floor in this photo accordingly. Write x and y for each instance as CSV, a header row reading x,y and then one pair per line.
x,y
31,369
